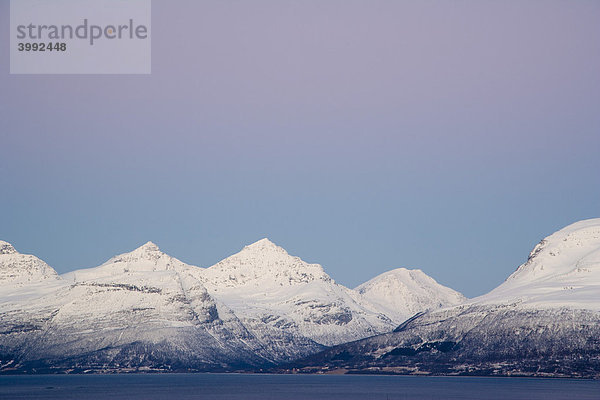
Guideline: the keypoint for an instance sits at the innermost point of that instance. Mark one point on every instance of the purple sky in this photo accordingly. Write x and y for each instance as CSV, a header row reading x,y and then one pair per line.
x,y
363,135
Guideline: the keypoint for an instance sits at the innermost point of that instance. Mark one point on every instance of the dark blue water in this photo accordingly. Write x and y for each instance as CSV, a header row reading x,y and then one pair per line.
x,y
289,387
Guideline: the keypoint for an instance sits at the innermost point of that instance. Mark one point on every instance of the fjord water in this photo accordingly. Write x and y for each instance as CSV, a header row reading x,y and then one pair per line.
x,y
290,387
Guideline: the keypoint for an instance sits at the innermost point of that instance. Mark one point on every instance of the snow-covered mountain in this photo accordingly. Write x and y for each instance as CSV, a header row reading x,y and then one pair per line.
x,y
147,258
17,269
142,309
563,270
268,288
147,310
543,320
402,293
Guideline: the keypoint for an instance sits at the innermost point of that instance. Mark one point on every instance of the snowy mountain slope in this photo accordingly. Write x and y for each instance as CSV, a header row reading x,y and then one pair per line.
x,y
562,270
147,258
402,293
146,309
147,261
19,269
267,287
141,309
544,321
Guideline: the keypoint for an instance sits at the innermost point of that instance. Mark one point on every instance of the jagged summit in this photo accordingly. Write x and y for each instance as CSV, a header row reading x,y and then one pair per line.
x,y
263,263
146,248
149,246
146,258
7,248
20,269
264,246
146,252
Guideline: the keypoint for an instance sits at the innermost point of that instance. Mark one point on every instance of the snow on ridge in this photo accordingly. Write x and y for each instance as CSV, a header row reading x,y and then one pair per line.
x,y
563,270
272,290
20,269
6,248
561,253
266,301
403,292
149,246
263,264
264,244
147,258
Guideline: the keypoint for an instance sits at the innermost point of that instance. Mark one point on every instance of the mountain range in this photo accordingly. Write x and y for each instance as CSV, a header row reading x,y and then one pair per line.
x,y
147,311
544,320
263,309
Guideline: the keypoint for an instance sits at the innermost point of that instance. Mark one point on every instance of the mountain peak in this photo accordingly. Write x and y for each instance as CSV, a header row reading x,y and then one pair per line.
x,y
264,245
149,246
146,258
17,268
263,264
404,271
569,252
148,252
6,248
407,291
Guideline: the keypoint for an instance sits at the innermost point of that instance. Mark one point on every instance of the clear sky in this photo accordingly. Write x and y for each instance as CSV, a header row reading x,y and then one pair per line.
x,y
363,135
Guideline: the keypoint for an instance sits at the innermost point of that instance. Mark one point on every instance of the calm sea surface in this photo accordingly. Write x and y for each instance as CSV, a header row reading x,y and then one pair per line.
x,y
289,387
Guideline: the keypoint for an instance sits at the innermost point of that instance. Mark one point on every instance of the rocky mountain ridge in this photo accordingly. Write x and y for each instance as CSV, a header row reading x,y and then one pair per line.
x,y
145,310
